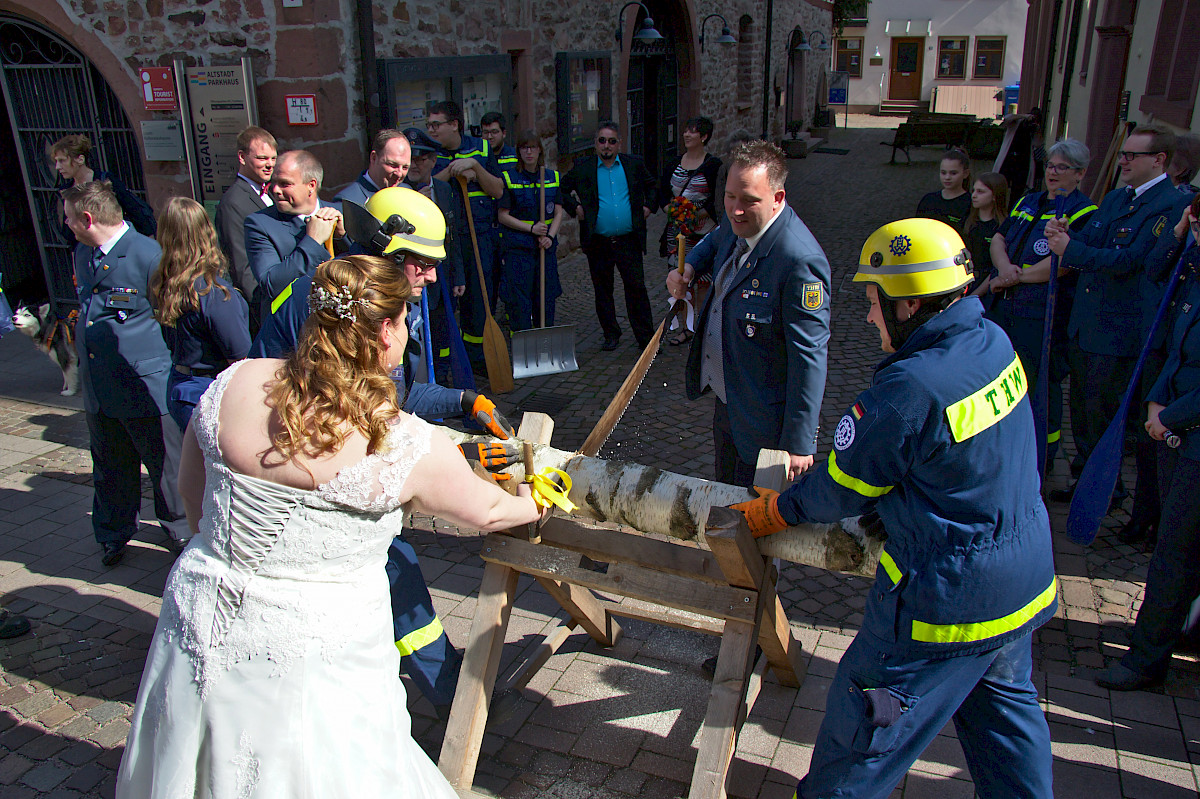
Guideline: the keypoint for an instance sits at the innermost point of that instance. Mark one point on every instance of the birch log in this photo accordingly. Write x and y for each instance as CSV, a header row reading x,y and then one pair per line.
x,y
651,500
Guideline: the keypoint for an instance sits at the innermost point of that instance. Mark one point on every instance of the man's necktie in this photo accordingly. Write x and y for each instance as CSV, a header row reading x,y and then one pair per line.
x,y
712,369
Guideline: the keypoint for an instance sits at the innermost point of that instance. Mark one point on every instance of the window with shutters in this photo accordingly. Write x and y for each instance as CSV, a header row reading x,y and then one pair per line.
x,y
1175,64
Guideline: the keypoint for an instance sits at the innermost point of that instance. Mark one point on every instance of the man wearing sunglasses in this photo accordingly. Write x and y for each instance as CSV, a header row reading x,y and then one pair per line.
x,y
611,194
1115,301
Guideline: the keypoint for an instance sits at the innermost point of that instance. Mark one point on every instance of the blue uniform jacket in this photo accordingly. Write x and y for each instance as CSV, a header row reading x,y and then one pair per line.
x,y
357,192
213,336
776,336
1110,314
123,358
281,329
507,158
521,200
279,250
1178,385
483,207
1025,229
942,443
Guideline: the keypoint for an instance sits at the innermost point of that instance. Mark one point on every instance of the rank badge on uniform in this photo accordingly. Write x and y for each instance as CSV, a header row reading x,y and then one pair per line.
x,y
814,296
1159,225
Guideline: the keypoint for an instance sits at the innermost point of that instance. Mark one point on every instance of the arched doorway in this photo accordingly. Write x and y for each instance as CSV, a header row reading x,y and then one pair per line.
x,y
49,90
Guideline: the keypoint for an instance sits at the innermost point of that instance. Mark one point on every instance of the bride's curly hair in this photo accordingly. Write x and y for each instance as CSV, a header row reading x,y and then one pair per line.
x,y
335,381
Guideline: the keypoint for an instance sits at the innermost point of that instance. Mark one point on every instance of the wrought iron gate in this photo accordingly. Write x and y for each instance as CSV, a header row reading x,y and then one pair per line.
x,y
51,90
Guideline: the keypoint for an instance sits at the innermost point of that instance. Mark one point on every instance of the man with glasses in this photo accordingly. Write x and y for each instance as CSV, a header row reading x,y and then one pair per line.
x,y
1115,301
461,154
611,194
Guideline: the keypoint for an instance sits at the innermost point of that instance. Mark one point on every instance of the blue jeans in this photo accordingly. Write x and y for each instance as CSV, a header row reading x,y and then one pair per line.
x,y
990,696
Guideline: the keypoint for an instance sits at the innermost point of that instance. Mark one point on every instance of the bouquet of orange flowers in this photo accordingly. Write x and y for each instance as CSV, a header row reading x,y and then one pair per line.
x,y
684,214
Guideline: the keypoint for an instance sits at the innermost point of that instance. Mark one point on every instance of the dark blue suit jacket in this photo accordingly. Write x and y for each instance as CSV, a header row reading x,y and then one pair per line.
x,y
775,337
1113,296
279,250
123,359
357,192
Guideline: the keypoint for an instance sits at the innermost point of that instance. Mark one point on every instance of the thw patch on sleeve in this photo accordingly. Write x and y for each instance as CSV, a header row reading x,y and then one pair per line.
x,y
843,436
814,296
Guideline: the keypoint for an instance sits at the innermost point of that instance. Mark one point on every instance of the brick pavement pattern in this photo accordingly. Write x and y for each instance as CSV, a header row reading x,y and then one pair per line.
x,y
593,722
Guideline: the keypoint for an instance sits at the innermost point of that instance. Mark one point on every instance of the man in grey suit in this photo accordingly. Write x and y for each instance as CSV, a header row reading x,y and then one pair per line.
x,y
386,167
123,365
250,192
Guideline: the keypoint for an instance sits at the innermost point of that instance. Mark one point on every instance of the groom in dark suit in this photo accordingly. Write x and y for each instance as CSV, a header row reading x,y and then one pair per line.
x,y
289,239
123,364
611,194
250,192
763,334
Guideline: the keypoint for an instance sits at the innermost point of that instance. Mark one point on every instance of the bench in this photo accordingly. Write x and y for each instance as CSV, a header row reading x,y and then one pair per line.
x,y
925,131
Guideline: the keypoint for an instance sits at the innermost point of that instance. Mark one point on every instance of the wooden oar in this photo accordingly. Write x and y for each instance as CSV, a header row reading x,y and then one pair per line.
x,y
495,348
620,401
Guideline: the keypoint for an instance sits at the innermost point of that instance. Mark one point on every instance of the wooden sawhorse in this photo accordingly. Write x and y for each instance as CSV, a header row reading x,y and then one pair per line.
x,y
727,590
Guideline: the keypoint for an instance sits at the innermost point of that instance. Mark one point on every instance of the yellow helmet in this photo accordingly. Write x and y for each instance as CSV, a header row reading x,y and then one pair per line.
x,y
913,258
410,219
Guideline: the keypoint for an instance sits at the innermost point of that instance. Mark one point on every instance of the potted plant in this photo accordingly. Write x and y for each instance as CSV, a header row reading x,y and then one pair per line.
x,y
794,146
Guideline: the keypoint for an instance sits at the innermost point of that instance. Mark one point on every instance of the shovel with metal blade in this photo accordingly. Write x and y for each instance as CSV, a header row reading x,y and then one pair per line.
x,y
543,350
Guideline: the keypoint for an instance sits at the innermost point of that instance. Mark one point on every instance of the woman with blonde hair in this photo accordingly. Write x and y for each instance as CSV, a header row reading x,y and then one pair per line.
x,y
273,666
206,322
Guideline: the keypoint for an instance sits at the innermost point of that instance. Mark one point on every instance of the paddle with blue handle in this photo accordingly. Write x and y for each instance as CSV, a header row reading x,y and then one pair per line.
x,y
1094,490
1041,393
460,363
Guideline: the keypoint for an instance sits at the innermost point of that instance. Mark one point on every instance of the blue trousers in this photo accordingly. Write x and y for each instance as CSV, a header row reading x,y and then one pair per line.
x,y
472,313
989,695
429,659
1173,580
520,285
119,448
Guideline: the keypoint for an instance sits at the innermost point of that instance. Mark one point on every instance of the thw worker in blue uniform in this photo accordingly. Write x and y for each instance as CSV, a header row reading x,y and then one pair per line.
x,y
529,229
942,447
1020,287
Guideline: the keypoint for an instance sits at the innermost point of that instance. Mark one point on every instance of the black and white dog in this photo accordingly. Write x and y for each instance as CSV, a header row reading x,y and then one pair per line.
x,y
53,338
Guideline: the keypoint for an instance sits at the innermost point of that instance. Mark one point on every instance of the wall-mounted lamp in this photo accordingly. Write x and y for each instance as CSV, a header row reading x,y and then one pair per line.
x,y
798,42
877,53
645,33
725,38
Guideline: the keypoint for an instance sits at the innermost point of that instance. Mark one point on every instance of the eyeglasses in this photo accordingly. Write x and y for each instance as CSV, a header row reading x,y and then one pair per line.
x,y
433,124
421,264
1059,168
529,148
602,140
1129,155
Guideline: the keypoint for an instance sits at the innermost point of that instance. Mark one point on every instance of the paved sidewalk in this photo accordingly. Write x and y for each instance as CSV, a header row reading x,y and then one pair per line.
x,y
592,723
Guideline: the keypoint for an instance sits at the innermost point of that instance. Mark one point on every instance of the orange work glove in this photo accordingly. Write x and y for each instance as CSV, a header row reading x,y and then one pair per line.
x,y
485,414
493,456
762,514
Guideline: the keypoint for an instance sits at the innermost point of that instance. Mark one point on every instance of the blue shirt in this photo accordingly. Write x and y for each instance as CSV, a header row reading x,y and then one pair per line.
x,y
615,217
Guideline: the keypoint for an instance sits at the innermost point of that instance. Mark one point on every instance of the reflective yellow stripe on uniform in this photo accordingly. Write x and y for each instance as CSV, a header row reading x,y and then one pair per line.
x,y
983,630
1053,438
889,566
278,302
418,639
1072,217
853,483
988,405
467,337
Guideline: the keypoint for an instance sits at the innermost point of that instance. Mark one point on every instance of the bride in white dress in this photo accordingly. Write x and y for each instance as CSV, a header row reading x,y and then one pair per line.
x,y
273,672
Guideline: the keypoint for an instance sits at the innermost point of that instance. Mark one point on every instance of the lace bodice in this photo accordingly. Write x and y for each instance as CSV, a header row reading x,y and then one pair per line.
x,y
276,570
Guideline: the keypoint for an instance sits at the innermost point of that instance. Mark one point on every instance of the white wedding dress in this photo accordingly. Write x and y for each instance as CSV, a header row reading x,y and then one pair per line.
x,y
273,673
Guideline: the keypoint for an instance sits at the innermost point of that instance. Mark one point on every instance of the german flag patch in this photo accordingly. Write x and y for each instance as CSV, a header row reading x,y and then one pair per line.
x,y
858,410
814,296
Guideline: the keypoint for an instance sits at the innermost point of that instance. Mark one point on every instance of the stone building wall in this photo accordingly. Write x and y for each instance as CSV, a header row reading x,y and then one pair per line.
x,y
314,49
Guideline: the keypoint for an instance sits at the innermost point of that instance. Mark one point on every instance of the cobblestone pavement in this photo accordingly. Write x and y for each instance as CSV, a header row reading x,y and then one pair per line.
x,y
592,723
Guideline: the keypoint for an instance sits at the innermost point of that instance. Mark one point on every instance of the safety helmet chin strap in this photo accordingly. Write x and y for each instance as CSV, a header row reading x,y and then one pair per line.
x,y
899,331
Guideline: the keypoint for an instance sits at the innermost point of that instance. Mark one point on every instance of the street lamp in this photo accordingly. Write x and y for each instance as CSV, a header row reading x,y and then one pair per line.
x,y
645,33
725,38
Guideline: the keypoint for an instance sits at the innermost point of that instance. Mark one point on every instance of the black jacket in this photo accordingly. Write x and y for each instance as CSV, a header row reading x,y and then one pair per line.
x,y
579,187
